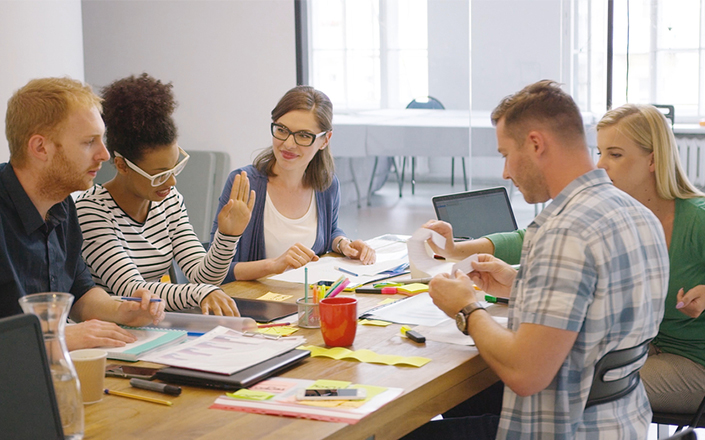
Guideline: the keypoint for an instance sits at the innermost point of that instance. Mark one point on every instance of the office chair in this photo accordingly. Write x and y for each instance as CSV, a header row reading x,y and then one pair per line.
x,y
687,434
669,112
430,103
603,391
681,420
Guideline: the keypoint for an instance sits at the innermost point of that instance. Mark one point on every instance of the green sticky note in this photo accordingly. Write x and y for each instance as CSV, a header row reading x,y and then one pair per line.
x,y
250,395
323,384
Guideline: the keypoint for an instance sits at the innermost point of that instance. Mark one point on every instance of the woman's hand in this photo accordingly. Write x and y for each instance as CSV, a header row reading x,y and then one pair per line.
x,y
296,256
235,215
220,304
693,302
358,250
138,314
445,230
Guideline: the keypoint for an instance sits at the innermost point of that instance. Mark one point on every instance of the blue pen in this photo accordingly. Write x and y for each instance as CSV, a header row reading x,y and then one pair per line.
x,y
134,298
346,271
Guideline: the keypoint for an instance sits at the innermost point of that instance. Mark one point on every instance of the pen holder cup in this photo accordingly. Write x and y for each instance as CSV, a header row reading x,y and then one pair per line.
x,y
309,315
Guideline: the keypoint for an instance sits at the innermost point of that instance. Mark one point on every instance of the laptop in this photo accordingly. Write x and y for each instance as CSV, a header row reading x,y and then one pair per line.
x,y
259,310
28,407
242,379
474,214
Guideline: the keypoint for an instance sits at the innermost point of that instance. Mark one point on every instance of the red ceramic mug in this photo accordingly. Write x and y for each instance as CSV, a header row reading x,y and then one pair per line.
x,y
338,320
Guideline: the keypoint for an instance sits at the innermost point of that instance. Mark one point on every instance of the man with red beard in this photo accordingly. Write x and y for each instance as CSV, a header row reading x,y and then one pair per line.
x,y
55,134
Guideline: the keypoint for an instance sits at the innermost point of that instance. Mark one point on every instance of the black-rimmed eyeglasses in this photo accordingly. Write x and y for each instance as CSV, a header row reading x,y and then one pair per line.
x,y
302,138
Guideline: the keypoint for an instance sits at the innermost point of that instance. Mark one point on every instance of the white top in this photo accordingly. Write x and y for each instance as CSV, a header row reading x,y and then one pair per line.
x,y
124,254
281,233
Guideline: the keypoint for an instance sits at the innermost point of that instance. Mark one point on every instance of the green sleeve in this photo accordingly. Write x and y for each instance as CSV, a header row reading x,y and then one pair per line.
x,y
507,245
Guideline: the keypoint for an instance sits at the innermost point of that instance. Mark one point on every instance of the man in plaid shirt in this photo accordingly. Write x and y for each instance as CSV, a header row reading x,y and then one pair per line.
x,y
593,277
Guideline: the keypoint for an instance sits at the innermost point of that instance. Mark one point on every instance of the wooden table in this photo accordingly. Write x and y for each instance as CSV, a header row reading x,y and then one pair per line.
x,y
454,374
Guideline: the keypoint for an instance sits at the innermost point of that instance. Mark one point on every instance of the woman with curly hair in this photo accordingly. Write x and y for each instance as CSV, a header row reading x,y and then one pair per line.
x,y
136,224
296,215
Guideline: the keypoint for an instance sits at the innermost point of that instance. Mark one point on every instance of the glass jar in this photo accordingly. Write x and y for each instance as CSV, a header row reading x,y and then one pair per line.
x,y
53,310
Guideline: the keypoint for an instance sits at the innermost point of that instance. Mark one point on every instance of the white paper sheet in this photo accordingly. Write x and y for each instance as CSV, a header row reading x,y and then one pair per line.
x,y
415,310
223,350
425,265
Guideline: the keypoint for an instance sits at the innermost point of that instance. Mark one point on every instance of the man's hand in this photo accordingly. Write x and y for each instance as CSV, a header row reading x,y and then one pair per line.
x,y
95,333
296,256
451,294
235,215
220,303
137,314
359,250
692,303
493,275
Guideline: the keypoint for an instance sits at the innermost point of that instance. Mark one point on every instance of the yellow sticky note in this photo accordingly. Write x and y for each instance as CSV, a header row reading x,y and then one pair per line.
x,y
412,289
278,331
250,394
325,384
271,296
375,322
387,301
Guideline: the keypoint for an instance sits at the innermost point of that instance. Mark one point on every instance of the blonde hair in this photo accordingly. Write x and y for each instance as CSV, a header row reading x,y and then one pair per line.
x,y
648,128
40,107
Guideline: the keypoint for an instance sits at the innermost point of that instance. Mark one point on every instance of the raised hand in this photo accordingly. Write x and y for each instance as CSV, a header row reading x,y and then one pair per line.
x,y
235,215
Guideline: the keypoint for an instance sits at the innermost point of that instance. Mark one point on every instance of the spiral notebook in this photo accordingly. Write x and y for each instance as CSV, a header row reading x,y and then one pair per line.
x,y
148,340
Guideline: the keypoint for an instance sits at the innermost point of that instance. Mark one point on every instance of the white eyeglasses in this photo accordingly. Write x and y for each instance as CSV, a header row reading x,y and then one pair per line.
x,y
160,178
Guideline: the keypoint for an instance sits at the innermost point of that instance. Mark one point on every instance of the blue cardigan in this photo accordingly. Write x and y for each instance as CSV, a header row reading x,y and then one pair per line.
x,y
251,244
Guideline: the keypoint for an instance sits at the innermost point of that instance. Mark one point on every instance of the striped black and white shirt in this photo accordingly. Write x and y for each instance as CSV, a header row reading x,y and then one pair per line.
x,y
124,255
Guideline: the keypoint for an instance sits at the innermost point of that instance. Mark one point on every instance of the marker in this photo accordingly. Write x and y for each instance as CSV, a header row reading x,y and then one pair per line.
x,y
413,334
134,298
383,290
495,299
281,324
338,289
137,397
342,269
155,386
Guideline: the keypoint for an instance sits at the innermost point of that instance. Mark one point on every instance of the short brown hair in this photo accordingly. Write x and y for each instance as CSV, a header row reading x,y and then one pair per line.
x,y
543,102
40,107
319,173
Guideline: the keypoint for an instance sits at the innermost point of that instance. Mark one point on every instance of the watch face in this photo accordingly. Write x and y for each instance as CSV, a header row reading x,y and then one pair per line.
x,y
461,322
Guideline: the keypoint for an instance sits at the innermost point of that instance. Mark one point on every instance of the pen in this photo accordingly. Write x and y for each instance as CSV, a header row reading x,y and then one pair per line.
x,y
137,397
495,299
195,334
134,298
342,269
281,324
155,386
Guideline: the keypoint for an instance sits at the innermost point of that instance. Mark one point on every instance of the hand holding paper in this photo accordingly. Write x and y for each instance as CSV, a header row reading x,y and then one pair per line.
x,y
493,275
423,264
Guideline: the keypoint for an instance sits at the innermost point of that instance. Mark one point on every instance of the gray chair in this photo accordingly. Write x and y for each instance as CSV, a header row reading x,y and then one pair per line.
x,y
603,391
668,111
687,434
429,103
681,420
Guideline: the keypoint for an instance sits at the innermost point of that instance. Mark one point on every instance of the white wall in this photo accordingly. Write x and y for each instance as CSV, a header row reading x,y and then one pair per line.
x,y
229,61
37,39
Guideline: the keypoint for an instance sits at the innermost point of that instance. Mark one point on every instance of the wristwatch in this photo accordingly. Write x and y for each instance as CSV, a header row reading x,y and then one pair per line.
x,y
461,318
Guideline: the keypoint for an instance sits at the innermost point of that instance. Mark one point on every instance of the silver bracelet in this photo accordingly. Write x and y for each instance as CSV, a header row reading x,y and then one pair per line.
x,y
338,245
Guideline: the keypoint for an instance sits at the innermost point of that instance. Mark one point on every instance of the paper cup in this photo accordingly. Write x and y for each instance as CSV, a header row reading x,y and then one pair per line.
x,y
338,321
90,366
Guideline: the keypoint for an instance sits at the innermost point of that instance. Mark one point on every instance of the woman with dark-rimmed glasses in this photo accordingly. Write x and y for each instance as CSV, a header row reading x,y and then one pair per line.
x,y
295,217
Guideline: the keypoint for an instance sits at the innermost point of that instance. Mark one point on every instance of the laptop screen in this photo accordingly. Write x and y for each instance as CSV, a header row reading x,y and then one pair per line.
x,y
474,214
28,408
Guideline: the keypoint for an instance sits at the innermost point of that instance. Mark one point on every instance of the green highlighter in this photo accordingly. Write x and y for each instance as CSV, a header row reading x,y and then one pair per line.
x,y
494,299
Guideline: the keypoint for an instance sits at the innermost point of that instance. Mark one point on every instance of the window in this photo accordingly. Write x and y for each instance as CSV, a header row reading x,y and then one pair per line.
x,y
368,54
658,54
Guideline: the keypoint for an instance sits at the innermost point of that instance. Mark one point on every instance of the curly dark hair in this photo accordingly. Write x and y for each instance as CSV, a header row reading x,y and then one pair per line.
x,y
138,116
